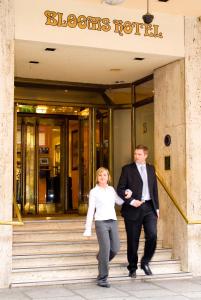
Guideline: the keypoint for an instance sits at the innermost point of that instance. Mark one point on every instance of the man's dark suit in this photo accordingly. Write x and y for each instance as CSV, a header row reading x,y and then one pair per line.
x,y
136,217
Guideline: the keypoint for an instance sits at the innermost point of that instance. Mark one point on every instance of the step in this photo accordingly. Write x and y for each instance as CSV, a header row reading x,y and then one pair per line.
x,y
175,276
41,275
55,235
30,261
74,223
65,247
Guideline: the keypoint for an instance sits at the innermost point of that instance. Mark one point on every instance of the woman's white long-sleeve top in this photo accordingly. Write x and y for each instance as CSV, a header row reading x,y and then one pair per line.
x,y
101,206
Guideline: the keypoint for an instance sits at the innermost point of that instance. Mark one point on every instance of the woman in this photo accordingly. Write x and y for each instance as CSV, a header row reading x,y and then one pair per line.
x,y
102,199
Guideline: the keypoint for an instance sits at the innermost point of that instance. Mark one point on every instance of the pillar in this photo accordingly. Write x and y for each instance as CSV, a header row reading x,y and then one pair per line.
x,y
178,113
6,136
193,138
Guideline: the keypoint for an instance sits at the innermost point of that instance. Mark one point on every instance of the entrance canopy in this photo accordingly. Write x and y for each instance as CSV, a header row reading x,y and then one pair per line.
x,y
92,43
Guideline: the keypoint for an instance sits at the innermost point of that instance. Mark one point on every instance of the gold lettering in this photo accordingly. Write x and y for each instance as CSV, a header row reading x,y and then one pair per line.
x,y
82,22
156,33
72,21
61,22
54,18
50,15
93,22
138,26
128,27
106,25
148,27
118,27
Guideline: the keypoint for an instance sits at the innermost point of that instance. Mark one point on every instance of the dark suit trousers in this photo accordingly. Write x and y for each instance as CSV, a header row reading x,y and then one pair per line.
x,y
148,220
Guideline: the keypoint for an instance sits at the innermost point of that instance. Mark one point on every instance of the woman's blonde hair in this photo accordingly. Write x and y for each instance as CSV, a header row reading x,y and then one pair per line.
x,y
101,170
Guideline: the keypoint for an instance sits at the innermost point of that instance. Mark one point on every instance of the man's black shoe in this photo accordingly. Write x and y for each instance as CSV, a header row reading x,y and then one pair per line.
x,y
146,269
103,284
132,274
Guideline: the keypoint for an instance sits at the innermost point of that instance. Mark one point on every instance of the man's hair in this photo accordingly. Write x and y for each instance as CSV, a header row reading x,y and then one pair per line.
x,y
142,147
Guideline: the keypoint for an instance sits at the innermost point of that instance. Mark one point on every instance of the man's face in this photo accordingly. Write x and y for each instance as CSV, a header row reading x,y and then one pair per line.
x,y
140,156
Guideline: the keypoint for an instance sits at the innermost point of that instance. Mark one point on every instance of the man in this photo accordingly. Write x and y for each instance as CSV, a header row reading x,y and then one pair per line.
x,y
138,188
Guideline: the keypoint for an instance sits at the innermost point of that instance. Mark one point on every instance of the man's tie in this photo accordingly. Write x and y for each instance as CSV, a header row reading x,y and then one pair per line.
x,y
143,174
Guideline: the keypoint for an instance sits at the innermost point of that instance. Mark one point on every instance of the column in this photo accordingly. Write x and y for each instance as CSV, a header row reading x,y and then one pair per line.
x,y
193,138
178,113
6,136
169,118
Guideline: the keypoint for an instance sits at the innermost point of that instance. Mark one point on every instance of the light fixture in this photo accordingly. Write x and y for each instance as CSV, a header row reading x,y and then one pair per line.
x,y
139,58
113,2
50,49
34,62
148,18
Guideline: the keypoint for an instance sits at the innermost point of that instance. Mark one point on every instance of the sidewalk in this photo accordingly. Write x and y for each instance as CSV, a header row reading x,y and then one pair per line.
x,y
131,289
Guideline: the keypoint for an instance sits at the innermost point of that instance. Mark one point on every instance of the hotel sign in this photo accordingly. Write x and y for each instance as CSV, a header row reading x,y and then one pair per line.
x,y
120,27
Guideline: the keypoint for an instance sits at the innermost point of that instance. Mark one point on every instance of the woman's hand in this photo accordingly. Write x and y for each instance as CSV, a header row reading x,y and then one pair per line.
x,y
128,194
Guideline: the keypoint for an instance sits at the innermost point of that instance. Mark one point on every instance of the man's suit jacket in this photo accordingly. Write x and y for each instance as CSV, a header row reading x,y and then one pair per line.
x,y
130,179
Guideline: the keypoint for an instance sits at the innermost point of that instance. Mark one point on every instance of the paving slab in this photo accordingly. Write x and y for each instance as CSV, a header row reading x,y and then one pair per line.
x,y
131,289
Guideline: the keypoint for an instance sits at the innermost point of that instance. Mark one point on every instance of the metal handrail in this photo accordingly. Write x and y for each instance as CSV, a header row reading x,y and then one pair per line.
x,y
18,214
174,201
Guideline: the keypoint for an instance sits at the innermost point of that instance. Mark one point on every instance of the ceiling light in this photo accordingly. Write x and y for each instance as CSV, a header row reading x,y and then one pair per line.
x,y
119,81
115,70
148,18
113,2
139,58
50,49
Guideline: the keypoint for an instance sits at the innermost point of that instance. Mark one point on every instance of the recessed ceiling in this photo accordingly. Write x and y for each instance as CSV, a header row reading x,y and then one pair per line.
x,y
82,64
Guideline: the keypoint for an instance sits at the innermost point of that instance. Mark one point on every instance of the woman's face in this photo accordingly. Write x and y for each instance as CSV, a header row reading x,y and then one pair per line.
x,y
103,178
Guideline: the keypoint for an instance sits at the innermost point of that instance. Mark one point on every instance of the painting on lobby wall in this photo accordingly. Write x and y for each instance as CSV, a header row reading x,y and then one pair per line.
x,y
75,147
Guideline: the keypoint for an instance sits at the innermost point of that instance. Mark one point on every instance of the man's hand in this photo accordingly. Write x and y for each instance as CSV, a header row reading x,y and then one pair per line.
x,y
128,194
158,215
137,203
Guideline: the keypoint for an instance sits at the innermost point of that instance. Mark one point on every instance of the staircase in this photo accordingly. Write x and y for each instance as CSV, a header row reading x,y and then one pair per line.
x,y
55,252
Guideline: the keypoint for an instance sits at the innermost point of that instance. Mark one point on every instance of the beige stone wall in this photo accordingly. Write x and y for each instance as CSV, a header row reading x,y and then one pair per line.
x,y
170,119
193,138
6,135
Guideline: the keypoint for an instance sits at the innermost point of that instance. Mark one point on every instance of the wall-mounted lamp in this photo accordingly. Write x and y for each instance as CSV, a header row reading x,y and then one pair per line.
x,y
148,18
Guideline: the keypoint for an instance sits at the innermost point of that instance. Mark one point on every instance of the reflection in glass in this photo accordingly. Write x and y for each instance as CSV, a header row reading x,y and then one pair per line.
x,y
19,167
102,139
30,161
49,168
144,90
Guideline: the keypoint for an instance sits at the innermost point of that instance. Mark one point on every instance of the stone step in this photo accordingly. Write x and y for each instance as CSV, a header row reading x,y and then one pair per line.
x,y
55,235
74,224
30,261
65,247
42,275
173,276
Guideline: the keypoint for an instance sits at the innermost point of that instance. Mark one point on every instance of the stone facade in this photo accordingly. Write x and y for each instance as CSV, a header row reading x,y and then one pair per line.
x,y
178,113
6,135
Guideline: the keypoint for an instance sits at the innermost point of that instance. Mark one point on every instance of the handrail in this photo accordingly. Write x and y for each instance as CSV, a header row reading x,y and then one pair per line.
x,y
17,211
176,204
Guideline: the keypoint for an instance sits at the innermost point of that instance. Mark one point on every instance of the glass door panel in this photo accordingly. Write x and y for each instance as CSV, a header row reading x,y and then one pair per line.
x,y
19,165
102,139
84,159
49,160
30,168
